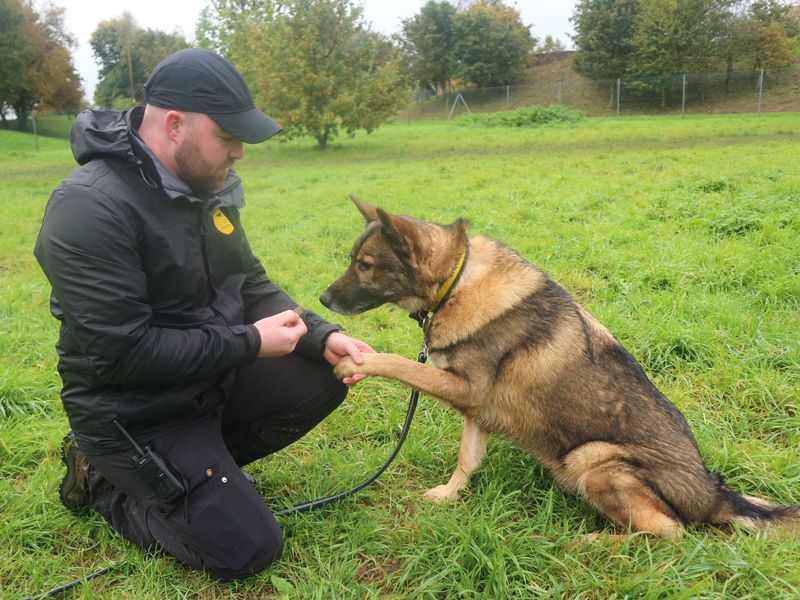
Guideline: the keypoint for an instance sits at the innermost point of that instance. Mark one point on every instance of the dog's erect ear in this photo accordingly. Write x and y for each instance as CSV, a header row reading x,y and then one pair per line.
x,y
369,212
460,225
396,231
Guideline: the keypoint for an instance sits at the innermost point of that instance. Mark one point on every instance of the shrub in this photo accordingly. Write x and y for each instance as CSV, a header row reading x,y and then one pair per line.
x,y
533,116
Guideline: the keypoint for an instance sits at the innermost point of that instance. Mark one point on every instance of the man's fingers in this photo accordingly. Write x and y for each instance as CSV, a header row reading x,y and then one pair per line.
x,y
355,354
356,350
290,318
354,379
364,348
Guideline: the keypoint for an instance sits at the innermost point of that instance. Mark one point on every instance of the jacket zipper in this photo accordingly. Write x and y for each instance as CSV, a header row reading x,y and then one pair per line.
x,y
204,249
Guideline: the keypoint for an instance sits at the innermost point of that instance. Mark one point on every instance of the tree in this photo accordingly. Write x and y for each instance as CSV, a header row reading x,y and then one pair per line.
x,y
310,64
15,50
604,37
492,44
677,36
125,54
229,26
429,38
673,37
792,21
36,71
551,44
773,46
767,33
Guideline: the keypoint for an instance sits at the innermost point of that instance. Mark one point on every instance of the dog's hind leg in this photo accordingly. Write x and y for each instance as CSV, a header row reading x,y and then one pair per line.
x,y
629,502
600,472
470,456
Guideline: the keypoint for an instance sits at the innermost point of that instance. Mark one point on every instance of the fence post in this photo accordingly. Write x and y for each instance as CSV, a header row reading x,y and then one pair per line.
x,y
760,87
508,96
464,102
560,83
619,85
683,96
35,137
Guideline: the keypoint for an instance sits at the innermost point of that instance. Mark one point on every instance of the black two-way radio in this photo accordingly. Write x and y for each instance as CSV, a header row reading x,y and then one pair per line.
x,y
154,470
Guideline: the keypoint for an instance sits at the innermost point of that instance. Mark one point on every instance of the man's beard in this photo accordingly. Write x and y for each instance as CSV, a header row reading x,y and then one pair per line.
x,y
195,172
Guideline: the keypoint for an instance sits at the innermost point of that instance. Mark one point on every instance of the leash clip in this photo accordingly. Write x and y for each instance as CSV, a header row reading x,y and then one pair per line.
x,y
422,357
419,317
426,324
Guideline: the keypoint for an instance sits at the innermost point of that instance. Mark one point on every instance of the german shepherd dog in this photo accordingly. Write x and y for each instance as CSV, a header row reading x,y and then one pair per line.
x,y
515,354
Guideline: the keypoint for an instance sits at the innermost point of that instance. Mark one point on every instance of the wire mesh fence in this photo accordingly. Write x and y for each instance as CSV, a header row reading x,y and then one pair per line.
x,y
753,90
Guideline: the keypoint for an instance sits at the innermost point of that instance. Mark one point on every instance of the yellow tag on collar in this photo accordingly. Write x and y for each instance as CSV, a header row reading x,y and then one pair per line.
x,y
221,222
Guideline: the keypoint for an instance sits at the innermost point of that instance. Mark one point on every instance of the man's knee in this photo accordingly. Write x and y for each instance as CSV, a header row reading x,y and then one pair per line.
x,y
255,560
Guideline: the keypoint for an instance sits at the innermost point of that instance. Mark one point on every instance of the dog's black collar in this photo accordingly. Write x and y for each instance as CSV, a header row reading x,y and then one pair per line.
x,y
424,316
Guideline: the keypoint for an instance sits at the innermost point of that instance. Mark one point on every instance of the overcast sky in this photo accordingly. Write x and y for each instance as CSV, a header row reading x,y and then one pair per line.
x,y
82,17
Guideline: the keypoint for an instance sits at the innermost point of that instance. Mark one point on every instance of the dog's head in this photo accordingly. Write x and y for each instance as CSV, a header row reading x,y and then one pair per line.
x,y
394,260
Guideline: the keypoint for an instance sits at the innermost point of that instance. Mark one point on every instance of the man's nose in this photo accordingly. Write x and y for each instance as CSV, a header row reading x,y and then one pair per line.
x,y
237,151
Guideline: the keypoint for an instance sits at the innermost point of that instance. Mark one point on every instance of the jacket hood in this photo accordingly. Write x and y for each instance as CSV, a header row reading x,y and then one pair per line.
x,y
100,133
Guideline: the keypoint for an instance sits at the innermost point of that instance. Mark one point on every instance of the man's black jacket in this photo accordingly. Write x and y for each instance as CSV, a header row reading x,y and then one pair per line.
x,y
154,288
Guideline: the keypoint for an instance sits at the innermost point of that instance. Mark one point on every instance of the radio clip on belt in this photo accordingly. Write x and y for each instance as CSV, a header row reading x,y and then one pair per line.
x,y
152,468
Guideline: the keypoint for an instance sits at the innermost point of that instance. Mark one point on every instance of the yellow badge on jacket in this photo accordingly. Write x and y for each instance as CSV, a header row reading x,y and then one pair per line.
x,y
221,222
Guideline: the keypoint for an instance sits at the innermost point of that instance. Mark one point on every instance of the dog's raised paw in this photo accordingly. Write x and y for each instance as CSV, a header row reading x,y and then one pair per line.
x,y
345,368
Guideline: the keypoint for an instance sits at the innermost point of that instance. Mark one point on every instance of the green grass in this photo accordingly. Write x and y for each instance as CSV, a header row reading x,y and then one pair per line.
x,y
681,235
54,126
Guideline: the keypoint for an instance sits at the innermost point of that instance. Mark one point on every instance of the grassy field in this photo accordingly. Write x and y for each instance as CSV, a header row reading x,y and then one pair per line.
x,y
681,235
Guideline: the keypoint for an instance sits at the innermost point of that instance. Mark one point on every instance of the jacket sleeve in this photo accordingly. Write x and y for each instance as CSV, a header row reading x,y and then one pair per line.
x,y
87,247
262,298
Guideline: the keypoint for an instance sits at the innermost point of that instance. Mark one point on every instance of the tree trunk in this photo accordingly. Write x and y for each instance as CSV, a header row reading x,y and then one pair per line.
x,y
728,73
22,118
322,139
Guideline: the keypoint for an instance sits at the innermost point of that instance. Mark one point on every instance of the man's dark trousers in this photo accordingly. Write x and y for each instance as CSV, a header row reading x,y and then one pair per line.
x,y
222,525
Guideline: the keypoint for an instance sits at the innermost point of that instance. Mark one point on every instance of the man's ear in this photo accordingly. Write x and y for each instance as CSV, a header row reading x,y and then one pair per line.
x,y
174,121
369,212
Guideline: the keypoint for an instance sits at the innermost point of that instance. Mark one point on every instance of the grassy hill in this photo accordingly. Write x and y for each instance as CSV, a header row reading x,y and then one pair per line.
x,y
552,80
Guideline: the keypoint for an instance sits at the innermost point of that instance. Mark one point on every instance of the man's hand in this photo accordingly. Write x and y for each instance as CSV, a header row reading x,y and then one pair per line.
x,y
280,333
339,345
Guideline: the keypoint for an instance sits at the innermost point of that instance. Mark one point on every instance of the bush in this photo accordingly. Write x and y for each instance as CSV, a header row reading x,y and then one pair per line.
x,y
533,116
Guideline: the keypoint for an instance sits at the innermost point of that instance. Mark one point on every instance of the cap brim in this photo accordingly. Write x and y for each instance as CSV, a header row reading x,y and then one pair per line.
x,y
251,126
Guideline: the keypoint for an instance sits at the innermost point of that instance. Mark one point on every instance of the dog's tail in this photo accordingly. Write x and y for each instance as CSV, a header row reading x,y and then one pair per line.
x,y
752,512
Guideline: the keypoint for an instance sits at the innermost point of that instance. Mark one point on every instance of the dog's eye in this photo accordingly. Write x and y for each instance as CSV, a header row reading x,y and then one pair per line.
x,y
363,266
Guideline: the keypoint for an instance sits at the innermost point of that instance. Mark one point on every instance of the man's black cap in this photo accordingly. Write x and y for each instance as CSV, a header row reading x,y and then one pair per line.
x,y
197,80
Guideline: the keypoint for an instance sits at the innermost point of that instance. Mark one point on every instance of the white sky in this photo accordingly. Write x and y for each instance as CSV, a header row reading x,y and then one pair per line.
x,y
82,17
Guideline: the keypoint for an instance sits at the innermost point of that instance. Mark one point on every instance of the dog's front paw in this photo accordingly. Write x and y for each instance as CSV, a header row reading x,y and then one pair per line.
x,y
441,494
345,368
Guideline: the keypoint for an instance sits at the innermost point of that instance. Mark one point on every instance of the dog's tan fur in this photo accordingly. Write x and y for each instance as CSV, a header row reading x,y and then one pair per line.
x,y
516,355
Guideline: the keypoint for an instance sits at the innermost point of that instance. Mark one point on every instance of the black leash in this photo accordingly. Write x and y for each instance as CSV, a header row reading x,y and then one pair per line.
x,y
306,506
72,584
412,406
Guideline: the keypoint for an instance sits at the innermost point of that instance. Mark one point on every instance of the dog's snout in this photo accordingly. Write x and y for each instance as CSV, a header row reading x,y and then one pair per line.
x,y
325,298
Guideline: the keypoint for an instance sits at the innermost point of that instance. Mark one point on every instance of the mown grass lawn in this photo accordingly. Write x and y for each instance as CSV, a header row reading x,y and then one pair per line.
x,y
681,234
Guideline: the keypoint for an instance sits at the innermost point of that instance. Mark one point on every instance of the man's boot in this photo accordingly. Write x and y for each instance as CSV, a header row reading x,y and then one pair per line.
x,y
74,489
